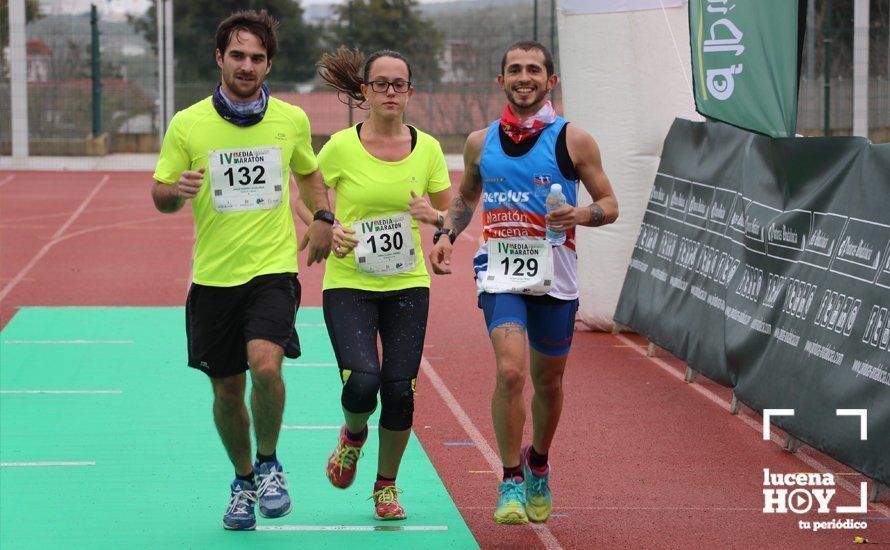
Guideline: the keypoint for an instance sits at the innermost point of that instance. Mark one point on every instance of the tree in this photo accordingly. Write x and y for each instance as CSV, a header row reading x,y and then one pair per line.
x,y
32,12
194,28
476,39
479,35
372,25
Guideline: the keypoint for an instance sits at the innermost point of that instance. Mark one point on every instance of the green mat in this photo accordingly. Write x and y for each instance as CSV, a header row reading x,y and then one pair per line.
x,y
144,467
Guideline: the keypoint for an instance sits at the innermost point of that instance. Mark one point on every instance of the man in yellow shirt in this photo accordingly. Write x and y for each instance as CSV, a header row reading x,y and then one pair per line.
x,y
230,155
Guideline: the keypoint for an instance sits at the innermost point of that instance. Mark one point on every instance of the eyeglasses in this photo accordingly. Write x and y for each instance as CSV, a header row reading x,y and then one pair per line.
x,y
382,86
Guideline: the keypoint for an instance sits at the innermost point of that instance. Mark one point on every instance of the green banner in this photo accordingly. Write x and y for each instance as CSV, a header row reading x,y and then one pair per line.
x,y
765,264
745,62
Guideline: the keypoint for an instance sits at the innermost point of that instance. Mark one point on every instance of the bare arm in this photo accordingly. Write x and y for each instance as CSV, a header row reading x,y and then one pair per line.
x,y
319,235
460,213
171,198
313,192
441,200
299,207
433,214
585,154
588,163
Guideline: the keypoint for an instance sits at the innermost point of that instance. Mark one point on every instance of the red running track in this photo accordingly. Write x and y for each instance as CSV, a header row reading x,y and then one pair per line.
x,y
641,459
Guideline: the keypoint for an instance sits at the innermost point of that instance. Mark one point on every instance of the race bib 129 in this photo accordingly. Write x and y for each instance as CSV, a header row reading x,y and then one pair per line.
x,y
520,266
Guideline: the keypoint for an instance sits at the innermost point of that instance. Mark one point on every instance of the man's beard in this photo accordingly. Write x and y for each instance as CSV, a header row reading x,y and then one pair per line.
x,y
233,85
538,99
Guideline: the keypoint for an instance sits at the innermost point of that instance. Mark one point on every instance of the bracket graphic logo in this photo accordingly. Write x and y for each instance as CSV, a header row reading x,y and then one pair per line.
x,y
801,493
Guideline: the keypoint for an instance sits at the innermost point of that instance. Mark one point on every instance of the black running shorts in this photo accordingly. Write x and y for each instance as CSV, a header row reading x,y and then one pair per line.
x,y
219,321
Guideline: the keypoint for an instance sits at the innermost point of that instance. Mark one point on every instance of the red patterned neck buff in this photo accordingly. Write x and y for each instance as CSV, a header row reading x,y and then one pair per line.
x,y
529,127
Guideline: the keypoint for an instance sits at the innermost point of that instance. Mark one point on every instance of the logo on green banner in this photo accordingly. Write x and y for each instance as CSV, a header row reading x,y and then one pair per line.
x,y
744,63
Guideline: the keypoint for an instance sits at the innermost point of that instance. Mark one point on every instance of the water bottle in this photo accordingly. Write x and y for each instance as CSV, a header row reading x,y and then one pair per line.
x,y
555,201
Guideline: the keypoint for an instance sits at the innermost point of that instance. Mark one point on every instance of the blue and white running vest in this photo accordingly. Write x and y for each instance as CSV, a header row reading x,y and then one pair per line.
x,y
514,190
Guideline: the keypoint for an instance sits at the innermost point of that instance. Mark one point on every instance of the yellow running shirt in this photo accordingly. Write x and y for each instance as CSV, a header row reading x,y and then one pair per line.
x,y
243,220
366,187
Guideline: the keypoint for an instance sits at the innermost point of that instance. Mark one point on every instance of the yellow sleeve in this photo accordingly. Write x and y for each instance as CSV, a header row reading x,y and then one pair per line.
x,y
327,163
303,160
174,157
438,179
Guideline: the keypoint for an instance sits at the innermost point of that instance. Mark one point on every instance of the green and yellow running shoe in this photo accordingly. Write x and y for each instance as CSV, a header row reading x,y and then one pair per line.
x,y
538,501
511,503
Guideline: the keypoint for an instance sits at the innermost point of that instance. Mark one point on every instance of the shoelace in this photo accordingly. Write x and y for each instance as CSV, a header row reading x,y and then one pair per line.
x,y
539,485
511,491
386,494
240,501
347,456
270,483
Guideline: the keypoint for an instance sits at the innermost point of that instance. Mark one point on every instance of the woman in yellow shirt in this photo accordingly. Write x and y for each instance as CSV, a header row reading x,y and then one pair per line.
x,y
376,283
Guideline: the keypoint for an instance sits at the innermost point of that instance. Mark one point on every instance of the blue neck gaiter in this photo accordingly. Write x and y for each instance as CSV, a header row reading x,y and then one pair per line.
x,y
241,114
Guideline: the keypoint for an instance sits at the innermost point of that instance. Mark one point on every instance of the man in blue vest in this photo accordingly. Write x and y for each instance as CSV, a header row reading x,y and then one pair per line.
x,y
526,276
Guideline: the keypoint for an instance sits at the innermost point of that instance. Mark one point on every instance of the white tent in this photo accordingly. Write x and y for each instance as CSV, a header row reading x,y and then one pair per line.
x,y
625,69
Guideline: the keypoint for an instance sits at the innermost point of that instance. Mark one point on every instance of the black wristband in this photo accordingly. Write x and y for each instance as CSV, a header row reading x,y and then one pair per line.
x,y
325,216
452,236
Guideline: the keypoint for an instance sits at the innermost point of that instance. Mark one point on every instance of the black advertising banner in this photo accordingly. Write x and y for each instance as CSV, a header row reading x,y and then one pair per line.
x,y
683,232
765,264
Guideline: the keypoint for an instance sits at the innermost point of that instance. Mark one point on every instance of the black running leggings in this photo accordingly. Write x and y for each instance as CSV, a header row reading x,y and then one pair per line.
x,y
354,319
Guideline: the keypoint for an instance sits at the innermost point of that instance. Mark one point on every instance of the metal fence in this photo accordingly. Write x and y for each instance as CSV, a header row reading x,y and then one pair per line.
x,y
459,97
462,96
811,108
61,96
831,45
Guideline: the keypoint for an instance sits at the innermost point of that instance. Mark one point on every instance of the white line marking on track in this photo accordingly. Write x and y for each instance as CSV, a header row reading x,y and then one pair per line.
x,y
62,392
752,423
88,230
332,427
53,240
61,214
43,464
544,534
352,528
69,342
7,179
288,364
310,324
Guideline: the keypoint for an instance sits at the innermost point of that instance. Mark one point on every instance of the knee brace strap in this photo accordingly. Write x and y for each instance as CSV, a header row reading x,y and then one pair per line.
x,y
359,391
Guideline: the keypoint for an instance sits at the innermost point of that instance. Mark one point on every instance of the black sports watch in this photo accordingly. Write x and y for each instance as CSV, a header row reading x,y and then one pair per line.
x,y
325,216
452,236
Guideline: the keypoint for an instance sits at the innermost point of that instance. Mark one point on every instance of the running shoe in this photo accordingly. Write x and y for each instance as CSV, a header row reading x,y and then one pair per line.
x,y
538,502
343,462
240,516
511,502
272,489
386,501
